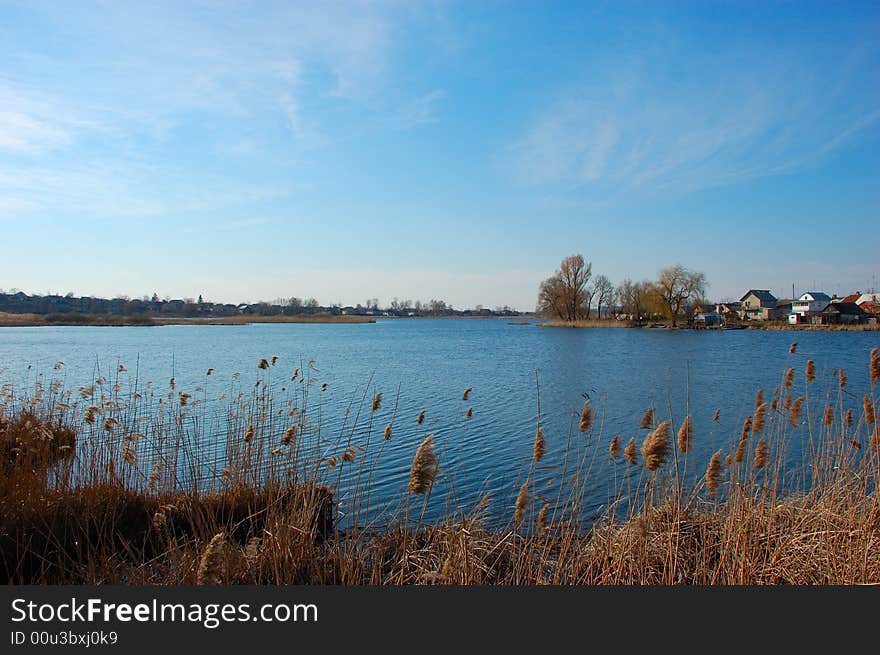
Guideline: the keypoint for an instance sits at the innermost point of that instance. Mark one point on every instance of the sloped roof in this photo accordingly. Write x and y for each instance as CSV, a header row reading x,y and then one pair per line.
x,y
763,295
817,295
853,297
843,308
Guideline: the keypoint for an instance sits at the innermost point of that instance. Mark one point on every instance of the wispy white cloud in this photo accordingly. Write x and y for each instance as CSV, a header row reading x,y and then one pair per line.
x,y
645,127
418,112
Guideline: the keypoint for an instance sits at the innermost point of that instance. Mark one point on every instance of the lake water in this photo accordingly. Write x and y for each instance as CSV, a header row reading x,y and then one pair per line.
x,y
431,362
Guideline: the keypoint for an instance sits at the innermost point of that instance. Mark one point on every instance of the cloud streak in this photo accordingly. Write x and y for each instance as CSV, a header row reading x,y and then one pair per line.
x,y
725,122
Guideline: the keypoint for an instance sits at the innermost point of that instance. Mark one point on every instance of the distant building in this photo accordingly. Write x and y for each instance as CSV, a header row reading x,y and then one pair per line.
x,y
810,302
758,305
839,313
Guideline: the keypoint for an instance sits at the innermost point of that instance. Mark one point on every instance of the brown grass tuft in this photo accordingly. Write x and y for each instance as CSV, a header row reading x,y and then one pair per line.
x,y
685,435
469,413
544,518
759,398
792,347
869,411
377,402
540,444
262,364
614,448
214,561
289,435
713,473
630,452
875,364
386,435
586,420
842,379
425,467
522,504
789,378
648,419
810,373
421,417
849,418
655,446
795,416
762,453
467,393
828,417
760,418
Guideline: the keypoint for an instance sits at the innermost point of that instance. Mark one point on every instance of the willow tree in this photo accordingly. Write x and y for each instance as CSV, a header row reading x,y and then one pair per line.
x,y
565,294
676,286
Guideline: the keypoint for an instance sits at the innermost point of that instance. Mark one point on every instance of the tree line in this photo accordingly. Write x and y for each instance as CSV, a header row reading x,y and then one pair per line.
x,y
571,293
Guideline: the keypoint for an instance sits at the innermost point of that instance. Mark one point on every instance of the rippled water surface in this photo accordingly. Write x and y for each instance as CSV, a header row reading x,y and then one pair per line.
x,y
431,362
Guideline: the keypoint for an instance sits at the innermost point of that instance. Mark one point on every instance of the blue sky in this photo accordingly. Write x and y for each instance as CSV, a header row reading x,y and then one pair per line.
x,y
459,150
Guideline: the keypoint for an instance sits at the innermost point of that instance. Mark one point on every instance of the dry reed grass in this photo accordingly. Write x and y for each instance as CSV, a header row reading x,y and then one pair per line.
x,y
129,505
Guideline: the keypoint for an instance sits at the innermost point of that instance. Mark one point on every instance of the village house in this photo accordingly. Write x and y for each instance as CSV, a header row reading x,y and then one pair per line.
x,y
758,305
839,313
807,305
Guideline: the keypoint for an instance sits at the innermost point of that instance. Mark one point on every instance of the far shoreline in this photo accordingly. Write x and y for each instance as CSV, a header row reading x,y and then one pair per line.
x,y
110,320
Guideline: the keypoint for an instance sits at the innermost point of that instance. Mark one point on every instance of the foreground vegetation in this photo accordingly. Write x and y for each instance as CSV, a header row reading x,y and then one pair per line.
x,y
125,484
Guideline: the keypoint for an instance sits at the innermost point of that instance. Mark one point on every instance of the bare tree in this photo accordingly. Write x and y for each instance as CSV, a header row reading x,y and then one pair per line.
x,y
565,294
634,298
676,286
603,292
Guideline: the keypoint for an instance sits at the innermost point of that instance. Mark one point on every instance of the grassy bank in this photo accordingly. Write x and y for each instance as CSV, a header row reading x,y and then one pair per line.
x,y
125,484
70,319
603,323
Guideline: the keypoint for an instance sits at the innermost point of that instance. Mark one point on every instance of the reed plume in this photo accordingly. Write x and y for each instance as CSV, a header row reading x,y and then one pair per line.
x,y
469,412
795,415
762,452
810,373
377,401
630,452
425,467
685,435
91,413
648,419
655,446
586,421
386,435
421,417
210,371
249,433
289,435
828,417
213,563
869,411
792,347
759,398
717,415
263,364
274,360
467,393
875,364
760,418
789,378
540,444
522,503
849,418
842,379
543,518
786,403
614,448
713,473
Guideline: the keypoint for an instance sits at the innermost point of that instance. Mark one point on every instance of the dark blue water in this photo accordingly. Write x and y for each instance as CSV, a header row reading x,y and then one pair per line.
x,y
431,362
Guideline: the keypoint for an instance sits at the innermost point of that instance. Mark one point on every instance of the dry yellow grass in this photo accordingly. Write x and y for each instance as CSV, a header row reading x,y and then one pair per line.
x,y
124,518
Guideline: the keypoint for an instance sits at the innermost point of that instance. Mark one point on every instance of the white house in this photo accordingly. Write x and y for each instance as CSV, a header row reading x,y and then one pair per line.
x,y
809,302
